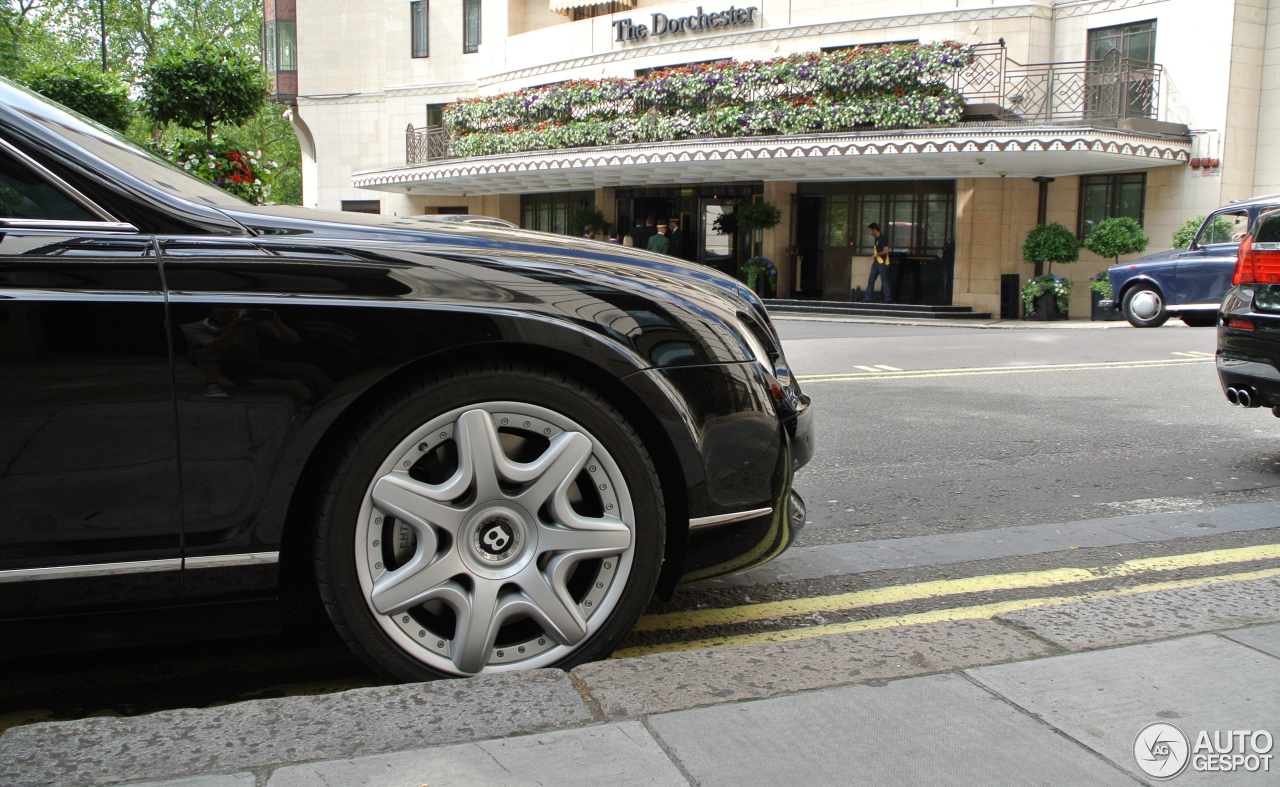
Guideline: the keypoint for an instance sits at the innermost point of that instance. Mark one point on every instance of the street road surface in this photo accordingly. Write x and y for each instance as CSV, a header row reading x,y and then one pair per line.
x,y
960,472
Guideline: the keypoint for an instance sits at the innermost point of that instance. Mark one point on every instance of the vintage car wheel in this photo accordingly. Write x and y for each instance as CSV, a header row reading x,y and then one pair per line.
x,y
1199,319
495,517
1144,307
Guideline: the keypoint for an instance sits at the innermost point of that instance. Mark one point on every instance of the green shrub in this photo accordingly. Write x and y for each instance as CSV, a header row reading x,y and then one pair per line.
x,y
1114,237
202,86
1183,236
97,95
1051,243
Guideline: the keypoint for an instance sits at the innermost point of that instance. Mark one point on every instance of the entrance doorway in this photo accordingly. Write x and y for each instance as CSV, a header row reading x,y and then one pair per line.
x,y
696,209
809,246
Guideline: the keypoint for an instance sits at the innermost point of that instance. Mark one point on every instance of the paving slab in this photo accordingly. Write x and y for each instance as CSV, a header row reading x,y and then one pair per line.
x,y
223,780
615,754
941,549
1142,617
686,679
288,730
1104,698
1264,638
939,730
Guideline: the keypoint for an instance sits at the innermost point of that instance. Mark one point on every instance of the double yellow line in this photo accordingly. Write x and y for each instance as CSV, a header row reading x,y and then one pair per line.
x,y
980,370
942,588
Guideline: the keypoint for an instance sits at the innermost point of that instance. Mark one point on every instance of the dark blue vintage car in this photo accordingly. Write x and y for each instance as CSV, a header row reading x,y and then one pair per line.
x,y
1188,283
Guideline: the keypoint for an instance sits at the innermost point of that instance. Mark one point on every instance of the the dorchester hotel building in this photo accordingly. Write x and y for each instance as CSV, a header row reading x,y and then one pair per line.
x,y
1075,110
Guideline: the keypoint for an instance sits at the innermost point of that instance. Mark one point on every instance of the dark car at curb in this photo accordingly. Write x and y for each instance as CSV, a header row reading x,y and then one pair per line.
x,y
478,449
1248,356
1186,283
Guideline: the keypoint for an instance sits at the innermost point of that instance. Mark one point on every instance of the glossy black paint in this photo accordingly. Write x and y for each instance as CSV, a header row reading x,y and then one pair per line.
x,y
1251,357
92,328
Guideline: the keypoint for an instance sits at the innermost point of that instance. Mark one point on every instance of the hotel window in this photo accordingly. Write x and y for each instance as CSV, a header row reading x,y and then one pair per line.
x,y
550,212
435,115
1111,196
916,218
418,11
1121,79
470,26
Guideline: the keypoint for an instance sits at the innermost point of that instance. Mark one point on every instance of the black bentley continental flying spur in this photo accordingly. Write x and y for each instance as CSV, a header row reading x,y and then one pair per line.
x,y
478,448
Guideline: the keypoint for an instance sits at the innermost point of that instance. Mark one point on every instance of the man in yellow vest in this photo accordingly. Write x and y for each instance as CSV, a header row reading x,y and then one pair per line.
x,y
879,265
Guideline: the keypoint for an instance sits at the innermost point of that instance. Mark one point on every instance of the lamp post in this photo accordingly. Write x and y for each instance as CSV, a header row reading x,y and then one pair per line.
x,y
102,27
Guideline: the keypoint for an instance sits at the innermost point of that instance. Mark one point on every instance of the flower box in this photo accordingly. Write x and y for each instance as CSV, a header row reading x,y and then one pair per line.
x,y
1046,308
1102,313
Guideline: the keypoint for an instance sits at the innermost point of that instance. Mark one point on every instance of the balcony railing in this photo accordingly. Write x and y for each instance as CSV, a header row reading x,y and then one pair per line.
x,y
1096,92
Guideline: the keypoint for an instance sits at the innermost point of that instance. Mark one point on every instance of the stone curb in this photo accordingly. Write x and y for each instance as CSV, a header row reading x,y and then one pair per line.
x,y
274,732
264,735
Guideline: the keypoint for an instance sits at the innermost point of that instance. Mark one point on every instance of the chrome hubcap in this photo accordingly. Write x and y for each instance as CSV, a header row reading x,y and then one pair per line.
x,y
497,536
1145,304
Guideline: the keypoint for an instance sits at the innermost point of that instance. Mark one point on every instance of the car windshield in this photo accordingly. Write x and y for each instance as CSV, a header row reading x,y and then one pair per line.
x,y
1226,227
115,149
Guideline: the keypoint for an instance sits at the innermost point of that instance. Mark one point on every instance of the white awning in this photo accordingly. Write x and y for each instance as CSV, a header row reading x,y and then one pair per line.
x,y
1020,152
567,7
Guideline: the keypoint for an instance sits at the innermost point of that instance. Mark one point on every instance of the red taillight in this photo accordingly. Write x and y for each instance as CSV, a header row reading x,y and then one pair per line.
x,y
1243,325
1257,263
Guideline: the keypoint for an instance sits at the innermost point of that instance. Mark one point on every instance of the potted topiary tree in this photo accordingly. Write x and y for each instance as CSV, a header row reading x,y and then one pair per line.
x,y
1183,236
1047,297
1114,237
760,272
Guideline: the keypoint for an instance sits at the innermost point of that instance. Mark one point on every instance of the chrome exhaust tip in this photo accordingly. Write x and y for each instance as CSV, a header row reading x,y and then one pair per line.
x,y
1248,397
1233,396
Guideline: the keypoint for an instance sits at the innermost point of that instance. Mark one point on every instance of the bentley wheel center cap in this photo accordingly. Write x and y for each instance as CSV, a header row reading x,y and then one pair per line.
x,y
497,539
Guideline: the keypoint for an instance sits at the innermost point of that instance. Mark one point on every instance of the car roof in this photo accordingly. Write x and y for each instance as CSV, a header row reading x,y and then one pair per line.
x,y
1267,200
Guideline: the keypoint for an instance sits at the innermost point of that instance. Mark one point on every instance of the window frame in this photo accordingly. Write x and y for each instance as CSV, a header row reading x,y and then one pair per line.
x,y
420,46
105,221
471,26
1114,182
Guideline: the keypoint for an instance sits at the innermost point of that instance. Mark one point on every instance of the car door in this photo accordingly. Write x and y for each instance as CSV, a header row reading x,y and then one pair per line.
x,y
1204,270
89,492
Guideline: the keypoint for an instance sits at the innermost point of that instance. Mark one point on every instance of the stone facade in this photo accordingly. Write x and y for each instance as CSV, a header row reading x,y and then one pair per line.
x,y
359,89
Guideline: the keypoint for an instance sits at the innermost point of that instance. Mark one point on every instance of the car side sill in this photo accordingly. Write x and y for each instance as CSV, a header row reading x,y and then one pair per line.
x,y
724,519
135,567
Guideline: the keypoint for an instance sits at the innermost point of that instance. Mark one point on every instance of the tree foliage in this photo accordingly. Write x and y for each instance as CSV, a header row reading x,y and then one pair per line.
x,y
47,34
1051,243
203,86
759,216
96,95
1117,236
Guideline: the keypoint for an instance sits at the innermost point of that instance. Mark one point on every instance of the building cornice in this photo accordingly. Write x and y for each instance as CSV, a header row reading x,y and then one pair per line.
x,y
810,156
777,34
1072,8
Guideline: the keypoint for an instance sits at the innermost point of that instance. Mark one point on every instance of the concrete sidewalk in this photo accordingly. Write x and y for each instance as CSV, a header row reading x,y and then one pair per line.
x,y
1048,696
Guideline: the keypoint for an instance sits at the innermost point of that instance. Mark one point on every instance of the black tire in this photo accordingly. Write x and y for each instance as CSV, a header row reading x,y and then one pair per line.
x,y
1148,311
1199,319
382,431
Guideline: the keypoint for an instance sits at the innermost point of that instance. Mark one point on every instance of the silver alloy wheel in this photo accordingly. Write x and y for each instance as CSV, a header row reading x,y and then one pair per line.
x,y
497,536
1146,304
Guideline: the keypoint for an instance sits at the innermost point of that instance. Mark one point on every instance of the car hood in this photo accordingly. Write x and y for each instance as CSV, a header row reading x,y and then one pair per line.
x,y
1150,259
636,264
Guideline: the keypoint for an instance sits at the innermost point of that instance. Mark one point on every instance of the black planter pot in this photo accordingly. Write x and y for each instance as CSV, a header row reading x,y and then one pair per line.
x,y
1046,308
1101,313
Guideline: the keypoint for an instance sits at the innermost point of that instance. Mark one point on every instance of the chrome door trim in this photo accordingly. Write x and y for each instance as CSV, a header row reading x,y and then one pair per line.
x,y
91,570
724,519
222,561
66,188
136,567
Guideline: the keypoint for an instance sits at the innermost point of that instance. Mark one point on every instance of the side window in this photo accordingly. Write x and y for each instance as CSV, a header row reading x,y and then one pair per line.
x,y
1223,228
24,194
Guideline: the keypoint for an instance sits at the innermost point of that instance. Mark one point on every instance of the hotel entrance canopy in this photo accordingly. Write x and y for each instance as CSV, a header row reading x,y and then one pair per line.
x,y
959,152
